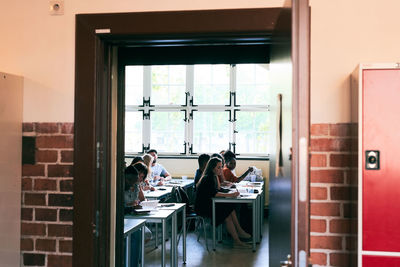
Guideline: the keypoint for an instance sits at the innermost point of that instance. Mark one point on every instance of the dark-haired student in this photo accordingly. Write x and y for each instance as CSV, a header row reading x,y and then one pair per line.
x,y
158,172
203,159
131,199
136,160
228,171
221,179
207,188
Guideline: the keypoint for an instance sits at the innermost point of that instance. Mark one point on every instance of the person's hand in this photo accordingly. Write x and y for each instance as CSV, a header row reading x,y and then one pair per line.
x,y
160,183
152,188
235,194
146,187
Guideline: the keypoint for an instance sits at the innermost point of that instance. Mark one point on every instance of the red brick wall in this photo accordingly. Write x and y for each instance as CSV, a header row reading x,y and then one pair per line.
x,y
47,197
333,190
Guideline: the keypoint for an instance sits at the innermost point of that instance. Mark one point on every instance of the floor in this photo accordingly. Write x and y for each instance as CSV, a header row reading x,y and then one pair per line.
x,y
225,254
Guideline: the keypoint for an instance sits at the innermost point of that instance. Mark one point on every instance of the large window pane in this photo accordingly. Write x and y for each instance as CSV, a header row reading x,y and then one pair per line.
x,y
133,132
210,131
211,84
134,85
168,131
253,129
168,85
252,84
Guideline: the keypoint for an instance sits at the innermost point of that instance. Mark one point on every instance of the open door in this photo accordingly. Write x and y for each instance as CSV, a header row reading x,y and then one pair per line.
x,y
289,168
96,36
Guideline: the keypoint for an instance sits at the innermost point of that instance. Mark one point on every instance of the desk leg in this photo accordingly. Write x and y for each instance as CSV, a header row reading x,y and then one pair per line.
x,y
254,225
128,250
143,231
163,244
257,221
184,234
174,260
156,235
213,223
261,209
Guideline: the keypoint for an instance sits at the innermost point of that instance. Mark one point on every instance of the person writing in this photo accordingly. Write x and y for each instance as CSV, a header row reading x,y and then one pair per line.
x,y
158,172
148,161
230,165
131,199
225,212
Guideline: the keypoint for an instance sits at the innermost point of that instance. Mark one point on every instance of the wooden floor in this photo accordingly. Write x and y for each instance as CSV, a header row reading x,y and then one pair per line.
x,y
225,254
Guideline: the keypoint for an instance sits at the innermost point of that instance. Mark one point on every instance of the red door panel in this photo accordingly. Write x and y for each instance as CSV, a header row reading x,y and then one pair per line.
x,y
381,188
381,261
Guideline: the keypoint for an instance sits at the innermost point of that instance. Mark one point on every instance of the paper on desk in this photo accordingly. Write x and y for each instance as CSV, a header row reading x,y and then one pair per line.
x,y
242,190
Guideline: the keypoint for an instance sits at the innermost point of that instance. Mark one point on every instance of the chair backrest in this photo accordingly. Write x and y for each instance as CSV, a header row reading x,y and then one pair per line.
x,y
175,195
183,196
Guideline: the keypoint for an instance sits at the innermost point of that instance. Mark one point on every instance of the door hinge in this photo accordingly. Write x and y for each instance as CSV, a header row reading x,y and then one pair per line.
x,y
98,154
95,225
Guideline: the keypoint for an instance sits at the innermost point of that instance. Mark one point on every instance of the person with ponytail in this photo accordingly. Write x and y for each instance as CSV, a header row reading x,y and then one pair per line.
x,y
207,188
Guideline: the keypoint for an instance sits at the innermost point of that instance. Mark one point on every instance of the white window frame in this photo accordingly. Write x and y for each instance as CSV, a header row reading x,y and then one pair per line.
x,y
189,107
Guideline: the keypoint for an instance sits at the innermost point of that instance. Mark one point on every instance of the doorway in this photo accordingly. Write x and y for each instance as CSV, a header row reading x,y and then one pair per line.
x,y
96,153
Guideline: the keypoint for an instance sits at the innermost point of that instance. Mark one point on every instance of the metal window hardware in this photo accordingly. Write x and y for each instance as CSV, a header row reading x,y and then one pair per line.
x,y
145,148
230,114
232,147
191,114
191,102
186,118
146,115
232,96
146,103
187,95
191,150
185,146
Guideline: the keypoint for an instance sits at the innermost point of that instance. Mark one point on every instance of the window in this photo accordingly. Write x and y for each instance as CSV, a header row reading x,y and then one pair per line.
x,y
192,109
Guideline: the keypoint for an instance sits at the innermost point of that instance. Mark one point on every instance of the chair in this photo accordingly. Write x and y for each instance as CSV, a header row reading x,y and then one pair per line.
x,y
180,196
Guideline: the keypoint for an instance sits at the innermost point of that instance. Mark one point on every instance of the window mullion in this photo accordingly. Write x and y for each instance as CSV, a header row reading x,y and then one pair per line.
x,y
146,132
189,107
232,86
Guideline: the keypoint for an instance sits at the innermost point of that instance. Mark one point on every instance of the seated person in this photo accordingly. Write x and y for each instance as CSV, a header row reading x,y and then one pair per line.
x,y
158,172
203,159
148,160
136,160
207,189
131,198
230,166
221,179
134,193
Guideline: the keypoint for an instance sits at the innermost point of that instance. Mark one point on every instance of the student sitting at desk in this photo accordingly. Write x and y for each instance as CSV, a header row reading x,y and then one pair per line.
x,y
136,160
131,199
230,165
207,189
221,179
158,172
148,161
203,159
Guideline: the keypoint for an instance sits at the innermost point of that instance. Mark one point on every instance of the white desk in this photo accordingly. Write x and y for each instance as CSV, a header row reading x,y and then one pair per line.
x,y
158,194
167,188
251,199
178,207
131,226
161,216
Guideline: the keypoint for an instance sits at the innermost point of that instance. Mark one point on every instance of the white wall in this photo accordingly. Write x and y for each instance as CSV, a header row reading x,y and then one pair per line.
x,y
343,34
40,47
